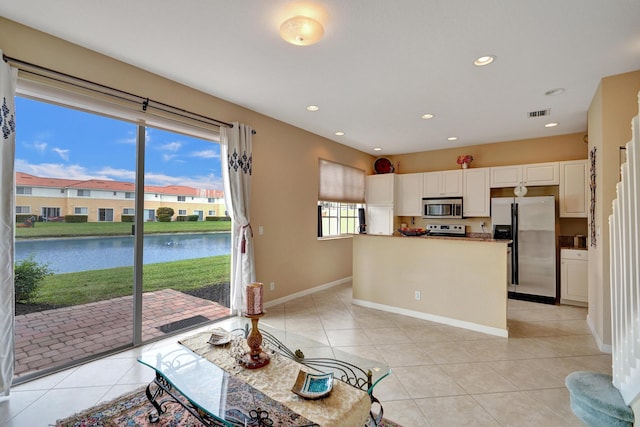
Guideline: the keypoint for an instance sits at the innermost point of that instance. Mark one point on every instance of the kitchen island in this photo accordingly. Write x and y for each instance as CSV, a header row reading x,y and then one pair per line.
x,y
452,280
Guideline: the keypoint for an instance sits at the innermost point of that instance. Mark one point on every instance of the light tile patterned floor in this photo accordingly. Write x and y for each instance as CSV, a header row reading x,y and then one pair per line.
x,y
442,376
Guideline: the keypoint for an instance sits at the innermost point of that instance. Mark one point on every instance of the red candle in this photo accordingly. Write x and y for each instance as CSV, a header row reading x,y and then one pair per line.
x,y
254,298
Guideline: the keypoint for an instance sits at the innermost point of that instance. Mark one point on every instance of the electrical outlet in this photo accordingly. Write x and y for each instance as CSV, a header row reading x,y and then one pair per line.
x,y
417,295
272,286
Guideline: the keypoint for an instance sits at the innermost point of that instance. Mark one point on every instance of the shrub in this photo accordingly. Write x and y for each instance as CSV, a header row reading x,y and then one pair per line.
x,y
128,218
75,218
28,276
164,214
217,218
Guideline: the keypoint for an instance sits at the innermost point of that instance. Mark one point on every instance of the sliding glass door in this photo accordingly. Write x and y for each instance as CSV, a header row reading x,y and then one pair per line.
x,y
84,184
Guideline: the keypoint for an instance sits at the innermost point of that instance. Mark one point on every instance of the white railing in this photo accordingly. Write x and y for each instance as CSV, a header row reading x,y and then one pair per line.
x,y
624,226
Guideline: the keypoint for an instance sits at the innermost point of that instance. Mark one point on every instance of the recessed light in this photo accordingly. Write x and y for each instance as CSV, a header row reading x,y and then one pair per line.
x,y
313,108
377,149
484,60
452,138
427,116
554,92
339,133
551,125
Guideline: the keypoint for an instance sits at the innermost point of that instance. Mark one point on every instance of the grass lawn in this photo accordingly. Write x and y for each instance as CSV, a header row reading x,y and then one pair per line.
x,y
96,285
63,229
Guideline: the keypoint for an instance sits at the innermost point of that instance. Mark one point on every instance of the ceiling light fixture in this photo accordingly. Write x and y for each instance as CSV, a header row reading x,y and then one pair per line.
x,y
551,125
301,31
377,149
554,92
452,138
313,108
484,60
339,133
427,116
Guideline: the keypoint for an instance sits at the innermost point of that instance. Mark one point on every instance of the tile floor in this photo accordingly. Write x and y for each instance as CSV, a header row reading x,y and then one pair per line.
x,y
442,376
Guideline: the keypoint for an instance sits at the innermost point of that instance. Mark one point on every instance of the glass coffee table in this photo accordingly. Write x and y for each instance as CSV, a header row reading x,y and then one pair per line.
x,y
206,380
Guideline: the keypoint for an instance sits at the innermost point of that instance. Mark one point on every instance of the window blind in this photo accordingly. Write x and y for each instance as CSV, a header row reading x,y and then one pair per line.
x,y
340,183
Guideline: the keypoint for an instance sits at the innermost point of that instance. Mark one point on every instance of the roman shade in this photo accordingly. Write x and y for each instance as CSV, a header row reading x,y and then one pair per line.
x,y
340,183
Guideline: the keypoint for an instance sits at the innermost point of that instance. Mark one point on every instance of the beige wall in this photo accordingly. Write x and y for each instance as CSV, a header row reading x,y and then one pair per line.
x,y
285,173
537,150
613,106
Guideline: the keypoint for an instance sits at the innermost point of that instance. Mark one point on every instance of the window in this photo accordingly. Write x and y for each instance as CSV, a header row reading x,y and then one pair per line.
x,y
129,195
340,195
182,198
339,218
182,211
84,193
211,200
81,211
23,209
212,213
23,190
128,211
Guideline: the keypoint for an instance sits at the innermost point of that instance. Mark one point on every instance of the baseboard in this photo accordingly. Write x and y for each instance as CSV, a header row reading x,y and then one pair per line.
x,y
434,318
605,348
307,292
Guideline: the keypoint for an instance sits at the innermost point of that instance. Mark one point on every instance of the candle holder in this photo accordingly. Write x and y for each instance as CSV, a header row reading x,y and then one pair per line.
x,y
255,358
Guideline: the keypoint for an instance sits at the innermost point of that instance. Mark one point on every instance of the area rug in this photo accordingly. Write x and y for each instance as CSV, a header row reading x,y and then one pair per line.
x,y
132,410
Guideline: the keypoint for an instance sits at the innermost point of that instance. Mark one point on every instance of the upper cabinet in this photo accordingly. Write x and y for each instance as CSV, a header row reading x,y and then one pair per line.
x,y
442,183
380,189
477,197
409,194
574,189
532,175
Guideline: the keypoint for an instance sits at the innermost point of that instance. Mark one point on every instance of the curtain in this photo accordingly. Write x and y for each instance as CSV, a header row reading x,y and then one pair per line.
x,y
8,78
237,158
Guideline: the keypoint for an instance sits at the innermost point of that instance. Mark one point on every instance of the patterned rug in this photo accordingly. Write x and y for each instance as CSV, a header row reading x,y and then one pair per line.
x,y
132,410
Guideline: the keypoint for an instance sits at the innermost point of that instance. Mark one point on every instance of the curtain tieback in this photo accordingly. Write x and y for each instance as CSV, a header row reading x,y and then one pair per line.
x,y
243,244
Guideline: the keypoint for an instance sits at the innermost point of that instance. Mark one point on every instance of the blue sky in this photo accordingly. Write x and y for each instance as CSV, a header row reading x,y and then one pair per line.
x,y
59,142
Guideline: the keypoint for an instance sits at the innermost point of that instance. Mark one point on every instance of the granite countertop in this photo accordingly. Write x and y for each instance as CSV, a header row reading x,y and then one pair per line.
x,y
473,237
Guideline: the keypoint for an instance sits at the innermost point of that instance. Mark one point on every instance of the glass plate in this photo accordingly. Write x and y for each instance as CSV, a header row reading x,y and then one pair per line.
x,y
313,386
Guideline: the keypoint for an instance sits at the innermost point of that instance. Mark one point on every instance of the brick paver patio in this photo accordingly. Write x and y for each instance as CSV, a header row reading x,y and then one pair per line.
x,y
55,337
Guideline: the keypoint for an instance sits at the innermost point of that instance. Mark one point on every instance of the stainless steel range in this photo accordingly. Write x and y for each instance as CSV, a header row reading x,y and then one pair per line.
x,y
446,230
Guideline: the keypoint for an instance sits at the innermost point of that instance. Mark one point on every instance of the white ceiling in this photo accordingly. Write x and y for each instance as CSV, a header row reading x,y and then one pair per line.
x,y
380,66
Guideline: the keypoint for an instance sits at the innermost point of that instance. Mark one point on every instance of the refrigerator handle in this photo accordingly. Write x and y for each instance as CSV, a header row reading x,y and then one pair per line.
x,y
514,245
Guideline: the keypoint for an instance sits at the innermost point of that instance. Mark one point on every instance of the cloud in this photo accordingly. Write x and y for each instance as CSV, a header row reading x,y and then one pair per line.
x,y
133,137
40,146
171,146
205,154
64,154
66,171
167,157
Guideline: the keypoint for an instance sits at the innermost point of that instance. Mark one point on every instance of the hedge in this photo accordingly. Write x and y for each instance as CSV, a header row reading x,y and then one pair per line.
x,y
128,218
217,218
184,218
75,218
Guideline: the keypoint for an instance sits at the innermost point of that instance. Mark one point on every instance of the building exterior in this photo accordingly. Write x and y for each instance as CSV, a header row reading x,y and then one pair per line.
x,y
107,201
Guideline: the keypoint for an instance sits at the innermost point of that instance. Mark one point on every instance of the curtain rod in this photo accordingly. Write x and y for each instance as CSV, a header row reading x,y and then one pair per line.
x,y
144,102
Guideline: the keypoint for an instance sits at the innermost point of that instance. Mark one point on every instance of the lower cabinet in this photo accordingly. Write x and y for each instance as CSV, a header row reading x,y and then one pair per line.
x,y
574,268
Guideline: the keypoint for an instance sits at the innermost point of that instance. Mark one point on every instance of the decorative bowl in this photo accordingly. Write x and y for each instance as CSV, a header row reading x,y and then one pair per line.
x,y
219,337
412,231
313,386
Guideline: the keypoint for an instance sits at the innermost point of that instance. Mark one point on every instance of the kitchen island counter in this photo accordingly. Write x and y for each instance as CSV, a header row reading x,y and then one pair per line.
x,y
460,281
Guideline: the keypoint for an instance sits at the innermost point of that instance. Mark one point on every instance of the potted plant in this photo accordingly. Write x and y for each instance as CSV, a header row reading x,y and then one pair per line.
x,y
464,160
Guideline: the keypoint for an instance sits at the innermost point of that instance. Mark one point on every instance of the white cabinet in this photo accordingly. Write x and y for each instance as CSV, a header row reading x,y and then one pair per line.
x,y
476,197
380,220
574,189
541,174
409,194
574,268
442,183
380,189
531,175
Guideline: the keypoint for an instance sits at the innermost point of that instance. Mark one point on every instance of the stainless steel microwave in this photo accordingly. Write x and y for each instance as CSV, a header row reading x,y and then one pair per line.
x,y
442,208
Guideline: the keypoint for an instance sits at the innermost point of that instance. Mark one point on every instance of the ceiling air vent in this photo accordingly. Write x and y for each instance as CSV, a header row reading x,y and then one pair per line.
x,y
539,113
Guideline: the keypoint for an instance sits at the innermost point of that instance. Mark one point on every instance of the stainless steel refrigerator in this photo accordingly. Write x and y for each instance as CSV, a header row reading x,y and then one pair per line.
x,y
530,222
